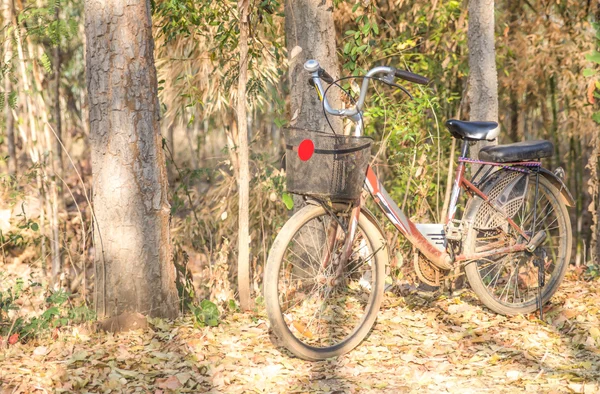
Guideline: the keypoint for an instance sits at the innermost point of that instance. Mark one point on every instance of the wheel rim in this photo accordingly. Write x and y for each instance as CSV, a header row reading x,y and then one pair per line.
x,y
512,279
323,302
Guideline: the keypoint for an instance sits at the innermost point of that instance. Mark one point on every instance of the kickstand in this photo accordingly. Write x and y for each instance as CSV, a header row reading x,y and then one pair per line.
x,y
541,283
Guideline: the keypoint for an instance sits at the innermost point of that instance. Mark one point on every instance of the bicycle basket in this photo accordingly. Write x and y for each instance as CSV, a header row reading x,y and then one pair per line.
x,y
325,165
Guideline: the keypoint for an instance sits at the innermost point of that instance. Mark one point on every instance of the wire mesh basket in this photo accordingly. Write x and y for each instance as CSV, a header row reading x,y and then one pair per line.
x,y
325,165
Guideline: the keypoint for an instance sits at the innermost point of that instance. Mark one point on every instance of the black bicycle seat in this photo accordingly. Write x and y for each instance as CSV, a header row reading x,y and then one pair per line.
x,y
519,151
473,131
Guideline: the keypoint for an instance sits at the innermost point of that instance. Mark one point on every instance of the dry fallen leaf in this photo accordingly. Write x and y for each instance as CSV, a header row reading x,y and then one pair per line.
x,y
40,351
170,383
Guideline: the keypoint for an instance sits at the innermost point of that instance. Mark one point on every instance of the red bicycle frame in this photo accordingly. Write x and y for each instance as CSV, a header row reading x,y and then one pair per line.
x,y
440,258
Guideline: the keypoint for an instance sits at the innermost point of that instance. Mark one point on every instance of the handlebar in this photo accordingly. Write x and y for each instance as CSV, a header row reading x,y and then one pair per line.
x,y
318,74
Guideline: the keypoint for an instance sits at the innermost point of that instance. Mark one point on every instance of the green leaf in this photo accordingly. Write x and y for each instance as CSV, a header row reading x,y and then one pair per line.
x,y
45,60
280,122
593,57
212,323
34,226
50,312
350,32
347,47
375,28
12,99
365,29
288,201
596,117
588,72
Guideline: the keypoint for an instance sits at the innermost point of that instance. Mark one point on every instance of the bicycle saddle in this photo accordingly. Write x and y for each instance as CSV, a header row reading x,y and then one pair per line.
x,y
519,151
473,131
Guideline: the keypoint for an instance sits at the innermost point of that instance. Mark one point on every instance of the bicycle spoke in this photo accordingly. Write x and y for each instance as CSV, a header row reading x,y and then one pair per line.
x,y
512,280
320,293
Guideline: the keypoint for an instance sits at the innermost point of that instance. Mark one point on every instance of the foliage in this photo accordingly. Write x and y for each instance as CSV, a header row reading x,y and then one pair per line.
x,y
205,85
205,314
204,224
56,311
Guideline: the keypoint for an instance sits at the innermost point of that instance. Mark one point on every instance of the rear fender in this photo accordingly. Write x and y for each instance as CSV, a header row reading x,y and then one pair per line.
x,y
559,184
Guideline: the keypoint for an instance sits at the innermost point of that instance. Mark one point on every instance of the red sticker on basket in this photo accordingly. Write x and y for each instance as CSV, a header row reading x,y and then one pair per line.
x,y
306,150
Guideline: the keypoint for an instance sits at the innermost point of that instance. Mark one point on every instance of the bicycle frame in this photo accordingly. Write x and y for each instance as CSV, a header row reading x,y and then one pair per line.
x,y
441,258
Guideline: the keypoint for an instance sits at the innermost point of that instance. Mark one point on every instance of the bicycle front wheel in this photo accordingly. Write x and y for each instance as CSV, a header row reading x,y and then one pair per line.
x,y
509,284
318,305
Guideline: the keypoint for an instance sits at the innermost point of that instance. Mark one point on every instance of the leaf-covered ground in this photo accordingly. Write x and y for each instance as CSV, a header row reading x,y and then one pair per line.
x,y
419,344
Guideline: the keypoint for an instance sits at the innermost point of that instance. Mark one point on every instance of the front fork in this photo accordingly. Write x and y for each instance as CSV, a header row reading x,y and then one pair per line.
x,y
346,249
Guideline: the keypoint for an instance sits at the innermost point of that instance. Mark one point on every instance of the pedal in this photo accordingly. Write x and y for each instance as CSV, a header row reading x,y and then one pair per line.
x,y
454,230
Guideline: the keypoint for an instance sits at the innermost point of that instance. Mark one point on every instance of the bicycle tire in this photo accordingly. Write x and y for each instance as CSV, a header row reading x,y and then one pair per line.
x,y
297,343
475,239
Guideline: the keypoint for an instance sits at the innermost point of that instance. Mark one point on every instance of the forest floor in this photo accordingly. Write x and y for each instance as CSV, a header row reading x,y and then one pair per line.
x,y
419,344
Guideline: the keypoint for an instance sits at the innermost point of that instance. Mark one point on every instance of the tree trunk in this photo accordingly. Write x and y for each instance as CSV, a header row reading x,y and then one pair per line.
x,y
135,271
244,176
7,12
594,190
483,78
310,34
57,202
57,114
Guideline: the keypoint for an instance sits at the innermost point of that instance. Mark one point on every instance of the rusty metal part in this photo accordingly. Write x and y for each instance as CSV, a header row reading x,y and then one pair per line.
x,y
426,271
494,252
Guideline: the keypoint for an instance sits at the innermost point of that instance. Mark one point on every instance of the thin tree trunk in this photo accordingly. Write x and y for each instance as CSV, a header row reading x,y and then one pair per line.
x,y
594,190
135,271
483,78
7,13
57,165
244,175
31,140
57,113
554,130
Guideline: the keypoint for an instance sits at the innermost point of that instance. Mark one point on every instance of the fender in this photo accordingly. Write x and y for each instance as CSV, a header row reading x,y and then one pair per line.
x,y
558,183
369,215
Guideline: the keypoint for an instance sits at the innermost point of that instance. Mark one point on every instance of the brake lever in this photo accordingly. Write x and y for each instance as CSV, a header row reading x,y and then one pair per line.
x,y
399,87
389,79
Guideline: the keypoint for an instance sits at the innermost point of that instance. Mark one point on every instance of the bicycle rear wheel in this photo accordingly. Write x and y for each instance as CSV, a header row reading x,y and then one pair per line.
x,y
508,284
319,306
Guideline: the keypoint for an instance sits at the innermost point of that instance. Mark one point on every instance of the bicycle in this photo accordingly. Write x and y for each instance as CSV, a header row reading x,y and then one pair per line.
x,y
325,275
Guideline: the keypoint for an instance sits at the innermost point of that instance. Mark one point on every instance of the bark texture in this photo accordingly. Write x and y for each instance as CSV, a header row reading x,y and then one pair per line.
x,y
244,175
310,34
7,11
483,77
134,268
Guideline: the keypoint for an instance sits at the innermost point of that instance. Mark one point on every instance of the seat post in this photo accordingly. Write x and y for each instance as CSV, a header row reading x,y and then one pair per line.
x,y
456,187
464,150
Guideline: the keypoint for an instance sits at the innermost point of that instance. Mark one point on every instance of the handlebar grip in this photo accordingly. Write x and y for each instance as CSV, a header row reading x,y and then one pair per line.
x,y
325,76
411,77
